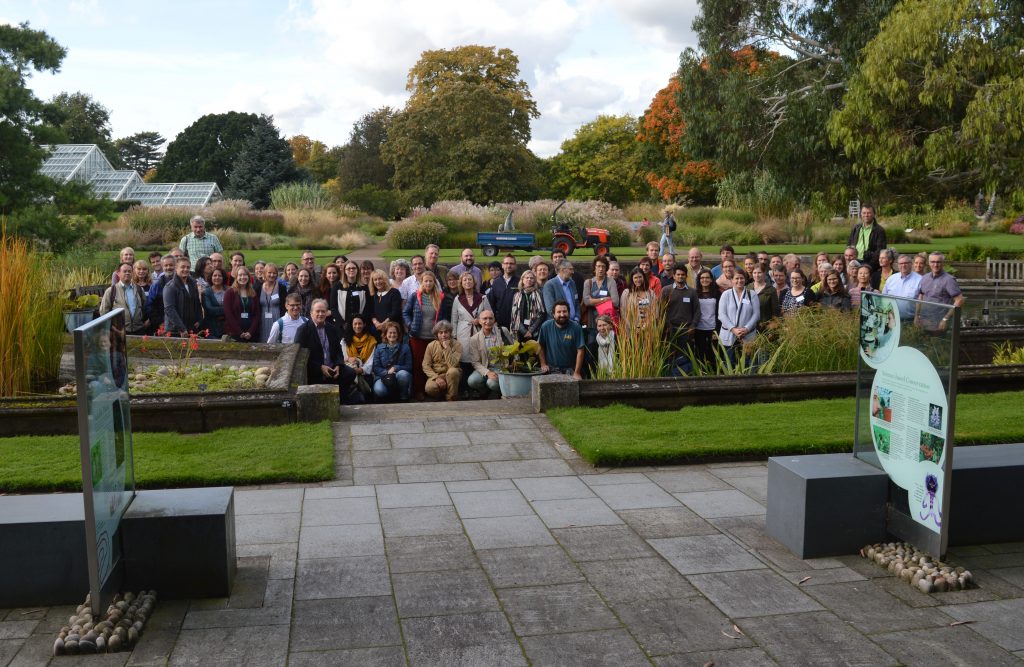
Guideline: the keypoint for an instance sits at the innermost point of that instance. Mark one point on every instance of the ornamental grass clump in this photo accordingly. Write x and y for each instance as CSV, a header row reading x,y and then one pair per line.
x,y
1007,354
642,350
814,340
31,323
292,196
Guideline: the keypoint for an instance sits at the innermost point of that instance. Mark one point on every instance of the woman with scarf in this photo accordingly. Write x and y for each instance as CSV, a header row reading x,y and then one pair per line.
x,y
605,341
527,308
305,289
358,348
466,309
422,312
738,311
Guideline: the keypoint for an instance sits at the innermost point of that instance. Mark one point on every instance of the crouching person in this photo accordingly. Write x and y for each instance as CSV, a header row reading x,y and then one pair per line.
x,y
441,363
325,364
392,365
484,378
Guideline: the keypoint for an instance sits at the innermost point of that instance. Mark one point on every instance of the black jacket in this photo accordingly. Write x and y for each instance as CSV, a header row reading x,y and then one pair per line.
x,y
308,339
682,310
182,310
876,243
500,298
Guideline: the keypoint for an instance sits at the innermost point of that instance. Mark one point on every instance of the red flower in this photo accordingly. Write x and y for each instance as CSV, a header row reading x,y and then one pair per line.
x,y
183,344
195,345
145,338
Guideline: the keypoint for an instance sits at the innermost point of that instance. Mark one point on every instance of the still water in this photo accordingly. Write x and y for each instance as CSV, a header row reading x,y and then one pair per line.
x,y
992,307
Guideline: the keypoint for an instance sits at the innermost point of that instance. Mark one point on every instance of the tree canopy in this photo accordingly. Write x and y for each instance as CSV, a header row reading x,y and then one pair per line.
x,y
264,161
140,151
206,149
601,161
359,161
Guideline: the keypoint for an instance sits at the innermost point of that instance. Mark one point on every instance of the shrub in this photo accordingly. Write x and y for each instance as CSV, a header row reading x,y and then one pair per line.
x,y
734,215
723,231
619,234
696,216
653,233
291,196
374,227
772,230
832,234
119,237
47,228
375,201
893,234
970,252
170,222
759,192
1006,354
316,224
639,210
688,235
350,240
414,234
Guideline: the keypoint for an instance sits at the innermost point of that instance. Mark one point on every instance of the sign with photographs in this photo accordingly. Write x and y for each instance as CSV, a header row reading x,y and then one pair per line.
x,y
105,435
907,376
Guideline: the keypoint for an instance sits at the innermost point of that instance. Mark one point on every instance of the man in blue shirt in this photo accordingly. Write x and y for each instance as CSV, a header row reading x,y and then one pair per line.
x,y
561,343
562,288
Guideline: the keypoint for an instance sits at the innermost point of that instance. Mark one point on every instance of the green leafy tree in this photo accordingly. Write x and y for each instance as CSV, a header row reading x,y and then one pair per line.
x,y
464,130
323,165
79,119
207,149
141,151
601,161
22,51
359,161
938,102
264,162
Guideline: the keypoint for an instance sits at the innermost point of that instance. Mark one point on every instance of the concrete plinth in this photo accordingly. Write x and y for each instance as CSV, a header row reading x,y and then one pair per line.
x,y
317,402
554,391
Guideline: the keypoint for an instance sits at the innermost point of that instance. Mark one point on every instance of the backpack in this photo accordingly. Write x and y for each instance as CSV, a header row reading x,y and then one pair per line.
x,y
671,223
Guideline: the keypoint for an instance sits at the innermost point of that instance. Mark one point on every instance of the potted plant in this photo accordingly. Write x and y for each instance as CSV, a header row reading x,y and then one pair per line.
x,y
78,310
516,364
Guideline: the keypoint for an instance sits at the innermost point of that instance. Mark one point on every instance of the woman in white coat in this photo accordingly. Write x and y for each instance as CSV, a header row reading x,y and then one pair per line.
x,y
738,311
466,309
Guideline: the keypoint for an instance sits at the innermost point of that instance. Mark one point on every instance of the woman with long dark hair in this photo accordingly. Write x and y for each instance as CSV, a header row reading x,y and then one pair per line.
x,y
305,289
213,302
833,294
242,308
708,295
639,303
797,295
350,297
767,297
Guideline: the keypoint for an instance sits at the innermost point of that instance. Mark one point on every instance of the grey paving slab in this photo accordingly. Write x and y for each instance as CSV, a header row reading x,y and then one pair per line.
x,y
908,595
413,495
614,648
482,485
387,428
615,477
536,449
784,559
470,424
462,639
835,575
556,609
339,511
322,492
441,472
430,439
508,436
677,625
659,522
475,453
476,504
737,657
817,638
687,480
527,468
749,469
393,457
52,620
282,557
382,656
8,649
508,531
35,650
992,582
276,501
443,592
943,646
363,539
999,621
528,566
17,629
428,553
634,496
253,647
576,512
749,530
553,488
753,593
378,475
716,504
521,422
344,623
267,528
996,560
368,442
413,521
276,610
1014,575
756,486
705,553
1005,547
360,576
602,543
870,609
636,579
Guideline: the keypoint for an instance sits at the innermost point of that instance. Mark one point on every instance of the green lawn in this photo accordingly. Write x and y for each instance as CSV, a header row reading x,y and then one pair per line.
x,y
252,455
620,435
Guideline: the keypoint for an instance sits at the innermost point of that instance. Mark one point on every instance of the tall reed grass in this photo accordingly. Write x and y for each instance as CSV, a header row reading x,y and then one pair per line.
x,y
814,340
292,196
642,348
31,323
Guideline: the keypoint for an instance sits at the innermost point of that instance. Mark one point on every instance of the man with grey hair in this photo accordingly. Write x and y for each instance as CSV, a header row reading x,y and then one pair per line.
x,y
562,288
199,243
906,284
937,287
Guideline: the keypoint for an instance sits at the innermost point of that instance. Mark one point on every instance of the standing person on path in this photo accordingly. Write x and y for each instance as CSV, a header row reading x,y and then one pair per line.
x,y
668,225
868,237
561,344
199,243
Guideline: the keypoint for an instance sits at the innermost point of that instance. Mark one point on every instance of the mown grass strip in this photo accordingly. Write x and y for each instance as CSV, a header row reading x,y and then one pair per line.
x,y
234,456
618,435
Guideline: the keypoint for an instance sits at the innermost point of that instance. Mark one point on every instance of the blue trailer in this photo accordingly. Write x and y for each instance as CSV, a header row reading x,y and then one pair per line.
x,y
492,242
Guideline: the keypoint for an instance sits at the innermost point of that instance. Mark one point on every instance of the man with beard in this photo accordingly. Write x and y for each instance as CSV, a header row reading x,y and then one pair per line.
x,y
503,290
469,264
668,265
682,312
182,311
562,344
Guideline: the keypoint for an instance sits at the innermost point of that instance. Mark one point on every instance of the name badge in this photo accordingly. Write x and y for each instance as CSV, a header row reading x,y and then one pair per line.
x,y
603,292
268,315
686,299
245,316
800,298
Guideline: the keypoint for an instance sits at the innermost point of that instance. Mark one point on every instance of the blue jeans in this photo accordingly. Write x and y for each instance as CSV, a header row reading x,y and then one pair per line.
x,y
482,382
404,386
665,245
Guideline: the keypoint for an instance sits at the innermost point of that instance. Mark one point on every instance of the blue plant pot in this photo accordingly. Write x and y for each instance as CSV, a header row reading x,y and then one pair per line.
x,y
515,384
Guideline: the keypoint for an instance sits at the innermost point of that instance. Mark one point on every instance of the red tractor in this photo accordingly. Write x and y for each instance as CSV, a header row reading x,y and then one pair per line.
x,y
563,237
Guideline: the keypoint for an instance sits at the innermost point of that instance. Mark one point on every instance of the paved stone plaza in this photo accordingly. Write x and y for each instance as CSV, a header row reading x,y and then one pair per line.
x,y
470,534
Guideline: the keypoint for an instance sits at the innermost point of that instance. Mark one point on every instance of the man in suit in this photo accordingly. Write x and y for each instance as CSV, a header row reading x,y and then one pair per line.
x,y
562,288
326,361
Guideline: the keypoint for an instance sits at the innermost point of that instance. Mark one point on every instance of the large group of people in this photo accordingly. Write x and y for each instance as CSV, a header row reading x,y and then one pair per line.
x,y
422,329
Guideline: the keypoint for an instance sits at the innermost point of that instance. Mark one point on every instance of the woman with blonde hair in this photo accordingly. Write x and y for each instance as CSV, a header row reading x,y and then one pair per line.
x,y
527,308
422,312
385,303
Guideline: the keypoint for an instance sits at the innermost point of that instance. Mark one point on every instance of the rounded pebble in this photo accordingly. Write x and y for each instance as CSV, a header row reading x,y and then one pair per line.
x,y
58,647
71,647
115,643
925,586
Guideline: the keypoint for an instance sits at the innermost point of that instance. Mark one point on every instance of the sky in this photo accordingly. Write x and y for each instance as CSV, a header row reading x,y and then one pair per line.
x,y
318,65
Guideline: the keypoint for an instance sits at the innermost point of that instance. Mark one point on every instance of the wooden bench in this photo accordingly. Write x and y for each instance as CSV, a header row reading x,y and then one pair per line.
x,y
1004,270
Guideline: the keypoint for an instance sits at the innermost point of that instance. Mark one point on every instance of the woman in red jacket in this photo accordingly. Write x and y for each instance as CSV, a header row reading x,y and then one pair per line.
x,y
242,309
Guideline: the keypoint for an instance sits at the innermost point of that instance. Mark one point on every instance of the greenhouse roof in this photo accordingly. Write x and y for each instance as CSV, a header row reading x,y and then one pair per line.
x,y
86,163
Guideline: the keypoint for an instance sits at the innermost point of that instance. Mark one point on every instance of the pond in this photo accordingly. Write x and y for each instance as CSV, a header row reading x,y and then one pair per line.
x,y
991,307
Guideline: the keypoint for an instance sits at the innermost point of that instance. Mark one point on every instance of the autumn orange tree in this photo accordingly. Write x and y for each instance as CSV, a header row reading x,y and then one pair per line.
x,y
668,170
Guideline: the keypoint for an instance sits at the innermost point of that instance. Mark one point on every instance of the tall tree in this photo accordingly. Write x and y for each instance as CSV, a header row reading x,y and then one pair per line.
x,y
206,149
80,119
938,102
264,162
140,151
22,51
360,161
464,130
601,161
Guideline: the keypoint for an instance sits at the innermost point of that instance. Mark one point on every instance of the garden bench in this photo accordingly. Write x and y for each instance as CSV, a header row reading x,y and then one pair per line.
x,y
1004,270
